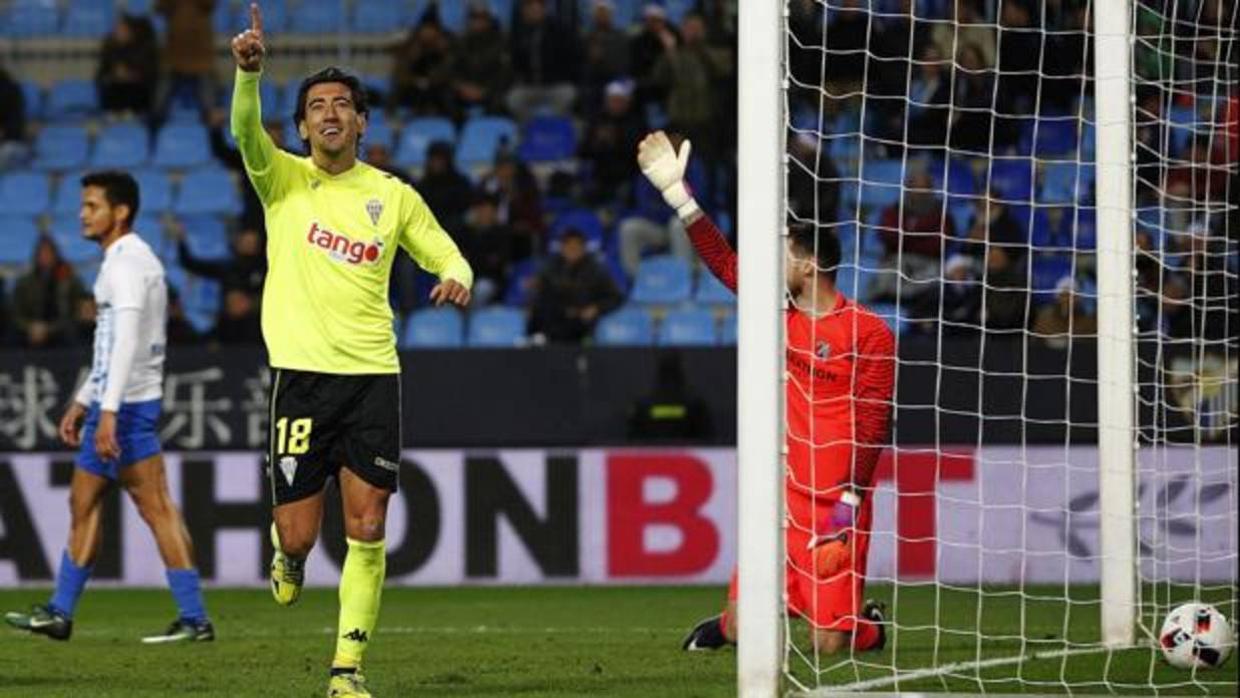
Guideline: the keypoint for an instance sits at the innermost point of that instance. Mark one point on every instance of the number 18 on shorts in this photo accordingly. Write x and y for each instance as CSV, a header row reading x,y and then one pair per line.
x,y
322,422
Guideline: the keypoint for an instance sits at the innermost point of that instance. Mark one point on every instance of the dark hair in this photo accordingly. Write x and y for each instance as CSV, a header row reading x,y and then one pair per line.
x,y
119,188
822,244
330,74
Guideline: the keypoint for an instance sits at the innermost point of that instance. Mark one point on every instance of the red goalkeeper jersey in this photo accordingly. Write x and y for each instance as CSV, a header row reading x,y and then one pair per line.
x,y
841,371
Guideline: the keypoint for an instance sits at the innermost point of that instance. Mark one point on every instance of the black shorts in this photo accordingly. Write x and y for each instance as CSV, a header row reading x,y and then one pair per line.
x,y
322,421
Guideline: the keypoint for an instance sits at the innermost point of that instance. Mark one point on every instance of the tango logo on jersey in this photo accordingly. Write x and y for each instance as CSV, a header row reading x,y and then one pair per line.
x,y
342,248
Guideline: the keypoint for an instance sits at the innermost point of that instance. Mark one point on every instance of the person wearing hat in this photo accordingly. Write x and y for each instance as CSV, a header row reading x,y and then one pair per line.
x,y
1058,323
611,136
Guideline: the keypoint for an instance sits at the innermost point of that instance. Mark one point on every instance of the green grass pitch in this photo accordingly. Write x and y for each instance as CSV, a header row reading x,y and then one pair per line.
x,y
548,641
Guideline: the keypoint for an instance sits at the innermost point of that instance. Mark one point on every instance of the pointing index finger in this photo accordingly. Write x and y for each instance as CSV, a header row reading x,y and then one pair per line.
x,y
256,19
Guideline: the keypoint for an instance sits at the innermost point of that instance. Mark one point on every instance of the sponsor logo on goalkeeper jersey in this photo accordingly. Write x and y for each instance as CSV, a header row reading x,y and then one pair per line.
x,y
342,248
805,368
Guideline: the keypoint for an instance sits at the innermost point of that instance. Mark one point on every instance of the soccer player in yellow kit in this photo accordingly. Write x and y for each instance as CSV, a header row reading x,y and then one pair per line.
x,y
333,227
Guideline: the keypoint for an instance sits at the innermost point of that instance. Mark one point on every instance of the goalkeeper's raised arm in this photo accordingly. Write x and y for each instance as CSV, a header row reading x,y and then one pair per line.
x,y
664,165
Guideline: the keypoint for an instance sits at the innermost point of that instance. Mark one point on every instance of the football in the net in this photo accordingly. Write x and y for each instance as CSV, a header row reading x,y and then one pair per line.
x,y
1196,635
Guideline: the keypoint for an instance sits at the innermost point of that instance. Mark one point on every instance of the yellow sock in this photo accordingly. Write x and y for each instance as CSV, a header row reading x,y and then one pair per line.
x,y
361,585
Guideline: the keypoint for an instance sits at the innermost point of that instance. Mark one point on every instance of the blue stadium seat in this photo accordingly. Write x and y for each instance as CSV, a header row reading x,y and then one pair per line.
x,y
1012,178
67,194
496,326
711,291
379,131
517,295
628,326
87,18
1048,136
1048,269
20,234
25,193
583,220
144,7
1066,182
76,249
319,17
71,99
1089,141
662,279
417,137
121,146
182,146
224,18
481,138
206,236
959,178
27,20
155,191
1086,223
150,227
61,147
379,17
208,190
433,328
678,9
32,97
728,330
547,139
688,327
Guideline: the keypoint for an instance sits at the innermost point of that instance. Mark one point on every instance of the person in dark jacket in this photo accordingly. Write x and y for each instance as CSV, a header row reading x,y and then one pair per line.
x,y
128,67
45,299
571,293
544,57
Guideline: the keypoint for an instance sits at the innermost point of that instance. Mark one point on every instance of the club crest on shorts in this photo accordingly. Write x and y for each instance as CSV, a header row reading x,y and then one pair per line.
x,y
374,208
288,466
822,350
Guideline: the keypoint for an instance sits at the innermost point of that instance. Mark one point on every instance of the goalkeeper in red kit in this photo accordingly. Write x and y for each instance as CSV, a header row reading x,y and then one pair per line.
x,y
840,368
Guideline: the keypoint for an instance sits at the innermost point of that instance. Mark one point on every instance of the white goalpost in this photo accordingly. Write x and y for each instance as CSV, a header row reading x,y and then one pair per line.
x,y
1040,198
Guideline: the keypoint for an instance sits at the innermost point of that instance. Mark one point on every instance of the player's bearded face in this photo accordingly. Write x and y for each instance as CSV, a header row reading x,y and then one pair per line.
x,y
796,268
332,124
96,215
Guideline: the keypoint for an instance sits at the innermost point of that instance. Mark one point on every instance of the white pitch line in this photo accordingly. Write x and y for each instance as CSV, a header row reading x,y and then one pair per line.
x,y
931,672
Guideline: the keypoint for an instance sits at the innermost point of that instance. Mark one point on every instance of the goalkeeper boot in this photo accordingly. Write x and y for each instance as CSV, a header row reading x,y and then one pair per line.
x,y
347,685
183,630
876,613
706,635
287,573
43,620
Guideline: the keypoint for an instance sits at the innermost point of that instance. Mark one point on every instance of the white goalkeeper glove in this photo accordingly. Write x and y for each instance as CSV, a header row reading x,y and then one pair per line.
x,y
665,168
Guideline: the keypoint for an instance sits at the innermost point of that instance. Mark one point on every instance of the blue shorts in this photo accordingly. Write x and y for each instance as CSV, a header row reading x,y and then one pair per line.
x,y
137,433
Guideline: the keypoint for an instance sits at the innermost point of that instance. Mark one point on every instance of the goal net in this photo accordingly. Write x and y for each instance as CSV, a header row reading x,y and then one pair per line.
x,y
1051,233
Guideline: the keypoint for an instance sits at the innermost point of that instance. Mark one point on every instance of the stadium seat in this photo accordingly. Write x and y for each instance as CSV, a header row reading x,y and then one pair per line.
x,y
87,19
959,179
76,249
711,291
1047,271
67,194
379,131
496,326
1066,182
182,146
628,326
418,135
481,139
1048,136
688,327
319,17
206,236
25,193
547,139
121,146
142,7
32,98
209,190
151,228
20,234
728,330
662,279
61,147
27,20
1012,178
517,294
155,191
224,18
678,9
69,99
433,328
583,220
379,17
1089,141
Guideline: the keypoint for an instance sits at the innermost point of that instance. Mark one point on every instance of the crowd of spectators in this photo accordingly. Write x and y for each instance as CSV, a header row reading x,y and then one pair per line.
x,y
961,85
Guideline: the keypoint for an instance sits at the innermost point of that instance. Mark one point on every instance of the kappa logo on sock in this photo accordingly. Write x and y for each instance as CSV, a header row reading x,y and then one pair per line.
x,y
357,635
288,466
